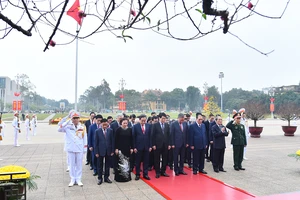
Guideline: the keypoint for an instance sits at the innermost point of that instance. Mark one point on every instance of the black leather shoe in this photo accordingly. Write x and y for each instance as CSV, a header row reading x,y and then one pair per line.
x,y
215,170
87,163
165,174
222,170
157,176
137,177
107,180
195,172
203,172
100,181
95,174
240,168
183,173
236,169
176,174
91,168
146,177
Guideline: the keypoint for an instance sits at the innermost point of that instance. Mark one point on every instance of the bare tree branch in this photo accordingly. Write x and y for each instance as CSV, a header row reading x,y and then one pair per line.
x,y
14,26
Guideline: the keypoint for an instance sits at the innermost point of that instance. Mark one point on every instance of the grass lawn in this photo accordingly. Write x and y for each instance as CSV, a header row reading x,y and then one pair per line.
x,y
10,116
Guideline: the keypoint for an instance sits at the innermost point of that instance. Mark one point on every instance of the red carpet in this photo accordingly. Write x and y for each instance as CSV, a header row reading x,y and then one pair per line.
x,y
288,196
195,187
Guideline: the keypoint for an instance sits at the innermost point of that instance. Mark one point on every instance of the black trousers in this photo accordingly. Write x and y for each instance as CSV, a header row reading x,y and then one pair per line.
x,y
88,156
198,159
100,161
211,152
179,152
218,159
170,158
142,156
163,151
132,161
151,159
188,155
238,154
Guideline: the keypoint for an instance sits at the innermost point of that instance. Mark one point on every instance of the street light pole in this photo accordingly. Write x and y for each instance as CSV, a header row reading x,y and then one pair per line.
x,y
221,76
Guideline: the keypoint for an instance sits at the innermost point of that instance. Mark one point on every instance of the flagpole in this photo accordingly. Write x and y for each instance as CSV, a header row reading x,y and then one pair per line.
x,y
76,68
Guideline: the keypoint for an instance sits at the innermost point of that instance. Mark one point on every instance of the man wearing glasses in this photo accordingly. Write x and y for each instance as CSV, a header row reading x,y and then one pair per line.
x,y
219,133
198,143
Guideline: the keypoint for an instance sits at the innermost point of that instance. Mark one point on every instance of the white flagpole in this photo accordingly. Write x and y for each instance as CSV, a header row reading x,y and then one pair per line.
x,y
76,68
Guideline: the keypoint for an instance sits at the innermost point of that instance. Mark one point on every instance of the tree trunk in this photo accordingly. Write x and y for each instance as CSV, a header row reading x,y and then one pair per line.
x,y
255,123
289,122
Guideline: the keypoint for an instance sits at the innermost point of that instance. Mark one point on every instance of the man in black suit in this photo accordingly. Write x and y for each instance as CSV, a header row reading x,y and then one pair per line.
x,y
104,149
210,146
142,146
219,133
87,126
179,133
160,134
188,152
131,120
198,143
206,123
151,155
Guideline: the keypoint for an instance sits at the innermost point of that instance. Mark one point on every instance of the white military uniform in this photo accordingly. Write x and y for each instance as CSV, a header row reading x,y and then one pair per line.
x,y
33,125
76,146
244,121
27,127
15,124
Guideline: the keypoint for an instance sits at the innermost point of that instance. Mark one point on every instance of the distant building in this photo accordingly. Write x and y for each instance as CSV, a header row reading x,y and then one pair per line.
x,y
7,89
156,104
282,89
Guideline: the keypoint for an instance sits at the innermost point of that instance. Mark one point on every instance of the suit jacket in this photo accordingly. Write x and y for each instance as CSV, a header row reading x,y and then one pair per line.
x,y
178,137
141,141
91,135
130,125
104,144
219,137
114,126
158,137
198,136
87,124
211,124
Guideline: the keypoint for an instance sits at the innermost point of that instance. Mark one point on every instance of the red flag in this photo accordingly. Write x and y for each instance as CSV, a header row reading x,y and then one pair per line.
x,y
74,12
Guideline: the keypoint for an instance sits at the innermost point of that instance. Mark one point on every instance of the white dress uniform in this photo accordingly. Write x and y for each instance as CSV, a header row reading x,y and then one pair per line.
x,y
76,146
27,127
244,121
33,125
15,124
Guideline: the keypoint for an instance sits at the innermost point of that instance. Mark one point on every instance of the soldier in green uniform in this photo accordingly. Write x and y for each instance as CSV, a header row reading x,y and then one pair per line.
x,y
238,140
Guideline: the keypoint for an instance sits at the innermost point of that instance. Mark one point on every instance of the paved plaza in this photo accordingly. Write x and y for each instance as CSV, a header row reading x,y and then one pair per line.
x,y
268,169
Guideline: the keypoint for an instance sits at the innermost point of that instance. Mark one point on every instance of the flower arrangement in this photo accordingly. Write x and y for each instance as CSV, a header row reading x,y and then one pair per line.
x,y
31,184
295,155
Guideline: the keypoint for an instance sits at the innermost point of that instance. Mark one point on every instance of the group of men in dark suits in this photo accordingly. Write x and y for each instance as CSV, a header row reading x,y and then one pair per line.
x,y
181,138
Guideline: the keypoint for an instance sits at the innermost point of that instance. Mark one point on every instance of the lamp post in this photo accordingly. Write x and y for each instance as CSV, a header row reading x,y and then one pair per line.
x,y
272,99
221,76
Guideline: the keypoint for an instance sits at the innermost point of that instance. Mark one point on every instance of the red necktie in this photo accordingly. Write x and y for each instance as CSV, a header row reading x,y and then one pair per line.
x,y
143,129
104,132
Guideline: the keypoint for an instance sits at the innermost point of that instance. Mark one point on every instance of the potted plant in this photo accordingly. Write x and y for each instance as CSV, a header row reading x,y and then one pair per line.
x,y
255,110
289,112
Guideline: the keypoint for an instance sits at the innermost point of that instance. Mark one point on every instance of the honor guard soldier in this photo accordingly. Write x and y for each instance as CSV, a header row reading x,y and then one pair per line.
x,y
76,146
16,124
27,126
238,140
33,124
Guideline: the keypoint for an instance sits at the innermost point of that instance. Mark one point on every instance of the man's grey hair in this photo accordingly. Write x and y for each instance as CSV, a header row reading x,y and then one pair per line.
x,y
119,115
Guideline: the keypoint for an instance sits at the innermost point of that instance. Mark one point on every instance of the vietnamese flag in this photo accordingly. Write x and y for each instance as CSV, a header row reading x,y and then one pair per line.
x,y
74,12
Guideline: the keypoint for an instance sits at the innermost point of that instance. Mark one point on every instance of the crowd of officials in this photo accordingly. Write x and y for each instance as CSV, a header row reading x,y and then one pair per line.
x,y
155,142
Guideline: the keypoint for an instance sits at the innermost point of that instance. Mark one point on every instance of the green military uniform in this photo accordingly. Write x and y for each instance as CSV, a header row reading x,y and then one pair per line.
x,y
238,141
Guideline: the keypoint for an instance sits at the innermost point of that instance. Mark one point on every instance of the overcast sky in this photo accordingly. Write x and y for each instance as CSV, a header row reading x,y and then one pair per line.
x,y
151,61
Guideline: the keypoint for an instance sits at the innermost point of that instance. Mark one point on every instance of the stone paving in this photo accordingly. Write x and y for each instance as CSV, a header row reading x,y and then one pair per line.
x,y
268,169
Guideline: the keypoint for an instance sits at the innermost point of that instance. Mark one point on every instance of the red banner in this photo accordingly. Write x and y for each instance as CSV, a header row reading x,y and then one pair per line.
x,y
14,105
122,105
19,107
272,107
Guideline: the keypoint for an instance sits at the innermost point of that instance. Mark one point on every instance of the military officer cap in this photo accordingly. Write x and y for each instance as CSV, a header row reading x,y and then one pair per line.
x,y
238,115
75,115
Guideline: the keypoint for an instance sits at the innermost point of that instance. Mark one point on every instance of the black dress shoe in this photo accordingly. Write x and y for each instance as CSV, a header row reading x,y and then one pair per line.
x,y
176,174
165,174
91,168
203,172
222,170
240,168
95,174
100,181
215,170
157,176
137,178
236,169
184,173
195,172
146,177
107,180
87,163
